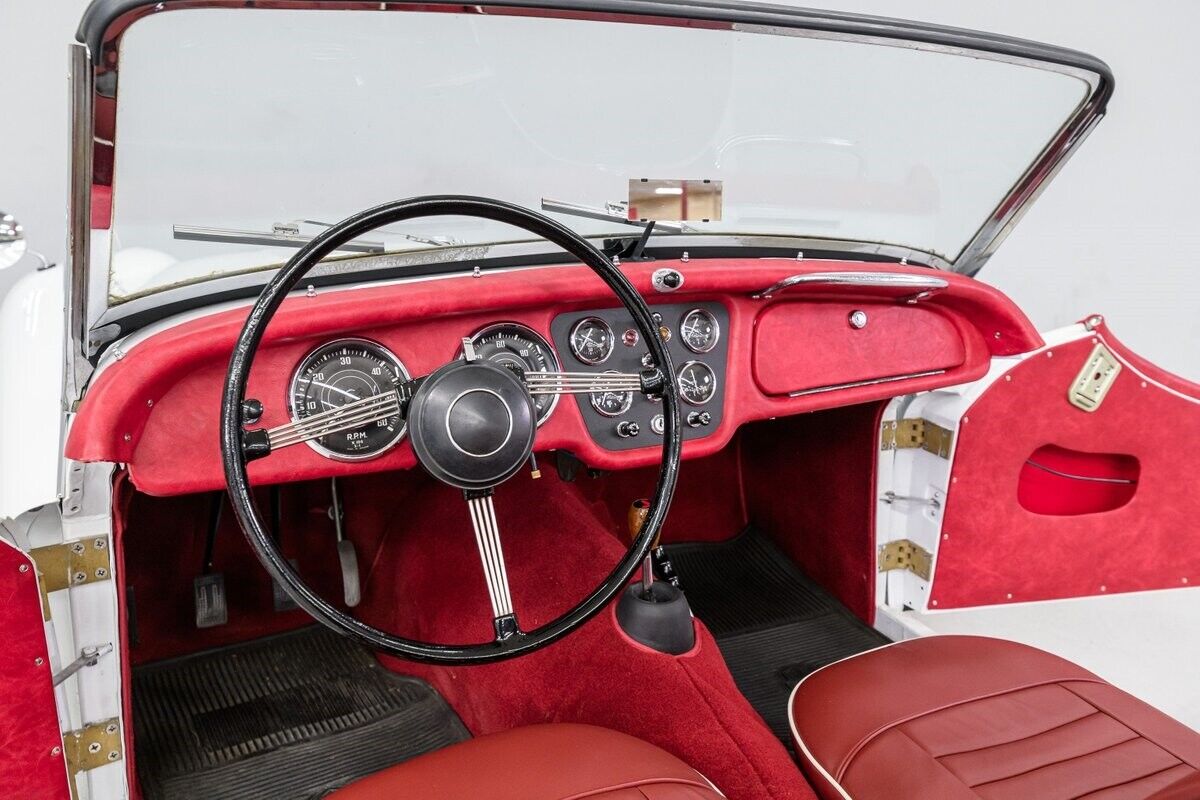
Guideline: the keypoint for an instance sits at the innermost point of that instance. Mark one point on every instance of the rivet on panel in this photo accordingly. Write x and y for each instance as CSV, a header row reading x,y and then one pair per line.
x,y
996,334
128,437
1143,384
23,568
1183,580
1008,596
149,404
1049,354
56,751
946,536
933,602
966,420
37,662
1104,588
1008,378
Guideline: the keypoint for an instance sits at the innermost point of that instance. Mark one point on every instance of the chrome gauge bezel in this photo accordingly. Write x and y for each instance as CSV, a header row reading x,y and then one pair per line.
x,y
612,341
379,350
679,385
716,326
626,404
531,334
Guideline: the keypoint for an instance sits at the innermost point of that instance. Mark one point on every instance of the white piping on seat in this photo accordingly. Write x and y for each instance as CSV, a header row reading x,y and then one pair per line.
x,y
808,756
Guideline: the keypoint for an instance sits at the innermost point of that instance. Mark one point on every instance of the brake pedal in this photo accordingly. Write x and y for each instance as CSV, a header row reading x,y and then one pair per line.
x,y
281,599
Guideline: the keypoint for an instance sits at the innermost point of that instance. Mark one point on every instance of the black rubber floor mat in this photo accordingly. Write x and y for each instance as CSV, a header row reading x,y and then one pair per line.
x,y
290,716
773,624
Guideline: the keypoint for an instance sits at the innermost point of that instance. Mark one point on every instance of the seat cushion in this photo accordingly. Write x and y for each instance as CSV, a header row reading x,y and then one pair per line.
x,y
967,717
539,762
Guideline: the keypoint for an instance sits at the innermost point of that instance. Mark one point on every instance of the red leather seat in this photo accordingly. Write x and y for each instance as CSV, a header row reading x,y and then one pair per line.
x,y
539,762
965,717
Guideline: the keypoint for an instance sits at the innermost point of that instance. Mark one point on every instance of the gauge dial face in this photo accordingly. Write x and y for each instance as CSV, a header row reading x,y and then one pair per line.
x,y
699,330
508,343
611,404
697,383
592,340
341,372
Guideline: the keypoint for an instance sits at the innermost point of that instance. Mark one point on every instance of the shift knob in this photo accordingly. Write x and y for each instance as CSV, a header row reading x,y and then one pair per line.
x,y
638,511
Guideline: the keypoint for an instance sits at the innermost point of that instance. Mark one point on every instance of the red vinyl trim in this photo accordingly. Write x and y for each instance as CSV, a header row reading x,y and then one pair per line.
x,y
995,550
31,757
156,409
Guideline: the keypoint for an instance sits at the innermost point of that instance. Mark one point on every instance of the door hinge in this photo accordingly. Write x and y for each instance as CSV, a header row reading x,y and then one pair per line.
x,y
906,554
61,566
93,746
905,433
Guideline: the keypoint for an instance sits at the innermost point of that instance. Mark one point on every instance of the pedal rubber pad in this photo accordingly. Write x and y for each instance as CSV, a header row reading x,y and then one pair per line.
x,y
281,599
208,592
349,560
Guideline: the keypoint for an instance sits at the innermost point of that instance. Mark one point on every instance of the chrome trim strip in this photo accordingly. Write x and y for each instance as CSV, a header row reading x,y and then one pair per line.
x,y
79,229
1091,478
874,280
872,382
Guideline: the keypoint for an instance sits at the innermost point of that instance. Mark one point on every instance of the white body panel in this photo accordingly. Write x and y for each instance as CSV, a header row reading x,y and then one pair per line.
x,y
31,370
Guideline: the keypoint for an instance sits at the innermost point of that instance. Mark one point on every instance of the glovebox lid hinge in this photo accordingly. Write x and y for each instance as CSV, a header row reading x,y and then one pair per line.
x,y
905,433
906,554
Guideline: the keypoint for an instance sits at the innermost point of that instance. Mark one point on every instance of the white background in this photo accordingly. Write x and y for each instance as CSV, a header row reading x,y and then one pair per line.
x,y
1118,232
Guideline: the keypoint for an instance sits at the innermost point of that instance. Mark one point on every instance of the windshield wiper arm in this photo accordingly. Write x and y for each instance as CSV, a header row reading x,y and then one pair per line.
x,y
435,241
278,236
611,212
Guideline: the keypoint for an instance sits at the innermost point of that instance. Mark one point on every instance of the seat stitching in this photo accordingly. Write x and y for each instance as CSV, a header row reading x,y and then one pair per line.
x,y
636,785
1071,758
1088,715
854,751
1131,780
1135,730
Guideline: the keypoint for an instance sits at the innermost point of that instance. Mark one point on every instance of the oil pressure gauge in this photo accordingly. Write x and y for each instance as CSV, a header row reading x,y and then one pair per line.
x,y
592,340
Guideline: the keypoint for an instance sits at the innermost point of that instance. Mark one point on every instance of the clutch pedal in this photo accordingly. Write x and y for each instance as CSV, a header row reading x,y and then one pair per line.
x,y
208,589
347,556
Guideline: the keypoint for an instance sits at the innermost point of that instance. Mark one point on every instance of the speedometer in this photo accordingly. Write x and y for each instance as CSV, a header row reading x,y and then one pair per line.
x,y
342,372
512,344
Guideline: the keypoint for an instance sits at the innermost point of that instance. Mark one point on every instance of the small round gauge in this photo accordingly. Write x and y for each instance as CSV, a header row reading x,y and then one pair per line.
x,y
611,404
507,343
699,330
697,383
341,372
592,340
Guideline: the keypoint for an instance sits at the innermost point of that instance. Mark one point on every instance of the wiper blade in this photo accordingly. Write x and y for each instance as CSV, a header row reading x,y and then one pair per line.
x,y
435,241
278,236
611,212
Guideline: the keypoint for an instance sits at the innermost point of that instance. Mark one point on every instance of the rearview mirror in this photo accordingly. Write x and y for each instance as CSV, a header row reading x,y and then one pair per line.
x,y
12,240
674,200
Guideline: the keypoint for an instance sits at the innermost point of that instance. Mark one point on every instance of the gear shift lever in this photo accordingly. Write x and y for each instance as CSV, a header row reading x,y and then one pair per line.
x,y
655,614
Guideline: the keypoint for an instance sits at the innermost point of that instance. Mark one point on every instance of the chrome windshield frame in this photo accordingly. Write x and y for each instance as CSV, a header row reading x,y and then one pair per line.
x,y
92,324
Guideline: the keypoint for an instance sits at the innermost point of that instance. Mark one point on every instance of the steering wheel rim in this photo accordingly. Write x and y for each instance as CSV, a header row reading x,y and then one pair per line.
x,y
234,460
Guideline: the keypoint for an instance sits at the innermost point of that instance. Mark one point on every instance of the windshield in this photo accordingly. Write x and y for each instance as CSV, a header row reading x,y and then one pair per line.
x,y
278,120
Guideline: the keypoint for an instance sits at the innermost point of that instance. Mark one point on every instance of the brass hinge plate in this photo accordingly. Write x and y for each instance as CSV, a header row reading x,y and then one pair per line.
x,y
906,554
1092,383
909,433
93,746
61,566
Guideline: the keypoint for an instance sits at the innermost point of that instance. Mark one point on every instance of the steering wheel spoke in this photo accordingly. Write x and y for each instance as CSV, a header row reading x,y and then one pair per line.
x,y
648,381
487,539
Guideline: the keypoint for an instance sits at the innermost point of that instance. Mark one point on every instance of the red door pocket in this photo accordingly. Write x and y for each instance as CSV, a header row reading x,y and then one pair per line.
x,y
1062,482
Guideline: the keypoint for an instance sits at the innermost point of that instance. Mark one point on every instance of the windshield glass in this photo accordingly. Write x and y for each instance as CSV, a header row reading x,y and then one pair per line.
x,y
248,120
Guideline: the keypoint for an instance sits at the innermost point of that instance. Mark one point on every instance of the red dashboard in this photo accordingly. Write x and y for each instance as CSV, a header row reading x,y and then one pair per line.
x,y
801,349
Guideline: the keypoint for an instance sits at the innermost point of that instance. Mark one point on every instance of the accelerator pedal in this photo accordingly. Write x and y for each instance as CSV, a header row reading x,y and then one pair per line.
x,y
208,589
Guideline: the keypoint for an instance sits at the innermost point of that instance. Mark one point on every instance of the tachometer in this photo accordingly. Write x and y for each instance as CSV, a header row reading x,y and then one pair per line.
x,y
592,340
697,383
342,372
699,330
517,345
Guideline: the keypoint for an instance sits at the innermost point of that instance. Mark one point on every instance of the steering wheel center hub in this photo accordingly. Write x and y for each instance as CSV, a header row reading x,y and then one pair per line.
x,y
479,423
472,424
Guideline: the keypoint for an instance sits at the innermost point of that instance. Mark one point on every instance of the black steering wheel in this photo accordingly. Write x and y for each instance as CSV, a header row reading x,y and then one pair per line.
x,y
472,425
